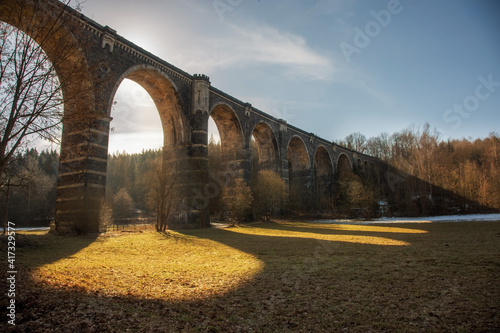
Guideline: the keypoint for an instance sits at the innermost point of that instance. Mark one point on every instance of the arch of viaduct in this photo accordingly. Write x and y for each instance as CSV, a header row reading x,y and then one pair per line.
x,y
184,103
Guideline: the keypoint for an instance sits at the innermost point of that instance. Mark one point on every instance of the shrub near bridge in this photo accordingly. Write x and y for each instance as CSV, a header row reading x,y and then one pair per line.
x,y
269,194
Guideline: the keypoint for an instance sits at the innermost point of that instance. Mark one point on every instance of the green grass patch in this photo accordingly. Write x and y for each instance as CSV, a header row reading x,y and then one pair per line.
x,y
281,276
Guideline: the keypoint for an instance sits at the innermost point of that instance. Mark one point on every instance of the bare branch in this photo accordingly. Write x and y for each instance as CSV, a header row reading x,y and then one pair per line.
x,y
31,91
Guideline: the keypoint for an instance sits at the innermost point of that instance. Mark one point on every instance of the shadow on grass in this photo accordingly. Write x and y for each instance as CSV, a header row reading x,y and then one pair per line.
x,y
49,248
306,284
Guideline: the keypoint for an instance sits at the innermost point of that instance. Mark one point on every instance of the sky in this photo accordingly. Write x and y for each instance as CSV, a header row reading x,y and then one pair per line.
x,y
329,67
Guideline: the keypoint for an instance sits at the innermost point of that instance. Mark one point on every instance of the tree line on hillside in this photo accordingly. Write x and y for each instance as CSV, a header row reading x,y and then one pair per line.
x,y
28,188
420,175
432,175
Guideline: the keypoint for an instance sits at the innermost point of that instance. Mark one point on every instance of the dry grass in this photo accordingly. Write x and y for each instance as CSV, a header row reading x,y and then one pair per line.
x,y
265,277
170,266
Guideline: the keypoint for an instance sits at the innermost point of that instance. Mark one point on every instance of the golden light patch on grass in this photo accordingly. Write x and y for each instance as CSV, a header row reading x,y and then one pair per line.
x,y
355,227
153,266
360,239
372,228
32,232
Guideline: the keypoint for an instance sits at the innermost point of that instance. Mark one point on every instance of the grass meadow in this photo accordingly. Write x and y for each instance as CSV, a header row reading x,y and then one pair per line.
x,y
279,276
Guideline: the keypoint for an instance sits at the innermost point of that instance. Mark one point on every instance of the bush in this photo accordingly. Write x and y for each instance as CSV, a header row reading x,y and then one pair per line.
x,y
123,205
269,192
237,199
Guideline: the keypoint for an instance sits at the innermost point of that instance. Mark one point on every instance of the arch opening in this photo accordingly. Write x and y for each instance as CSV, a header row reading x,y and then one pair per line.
x,y
354,194
344,166
298,157
136,124
230,132
299,175
324,178
215,168
266,177
266,148
344,176
150,127
226,156
359,165
166,99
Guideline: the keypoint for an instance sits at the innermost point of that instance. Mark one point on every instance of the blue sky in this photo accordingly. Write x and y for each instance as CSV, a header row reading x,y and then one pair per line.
x,y
329,67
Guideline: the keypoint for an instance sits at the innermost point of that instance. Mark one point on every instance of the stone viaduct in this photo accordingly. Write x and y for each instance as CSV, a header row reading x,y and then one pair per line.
x,y
184,103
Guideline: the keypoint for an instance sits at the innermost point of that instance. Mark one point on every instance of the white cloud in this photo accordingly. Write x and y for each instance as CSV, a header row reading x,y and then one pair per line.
x,y
268,45
253,44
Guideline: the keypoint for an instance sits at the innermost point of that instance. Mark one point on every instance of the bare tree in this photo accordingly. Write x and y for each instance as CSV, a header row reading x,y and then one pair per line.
x,y
355,141
31,90
161,195
379,146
